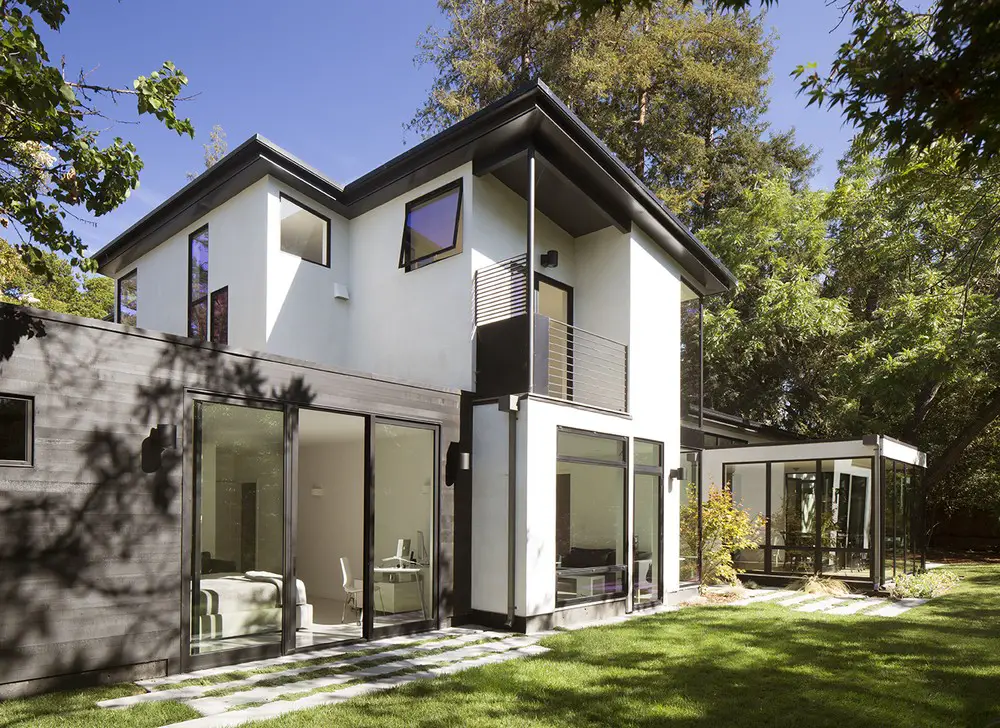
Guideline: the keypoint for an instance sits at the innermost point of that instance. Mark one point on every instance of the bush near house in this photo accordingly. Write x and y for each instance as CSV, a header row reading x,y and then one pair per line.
x,y
923,586
725,527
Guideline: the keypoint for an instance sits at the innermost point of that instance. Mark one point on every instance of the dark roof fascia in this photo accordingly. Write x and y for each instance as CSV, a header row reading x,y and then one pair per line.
x,y
252,160
718,417
452,147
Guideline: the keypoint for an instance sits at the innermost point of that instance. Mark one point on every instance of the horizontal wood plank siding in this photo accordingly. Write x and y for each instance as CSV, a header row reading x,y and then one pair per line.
x,y
90,545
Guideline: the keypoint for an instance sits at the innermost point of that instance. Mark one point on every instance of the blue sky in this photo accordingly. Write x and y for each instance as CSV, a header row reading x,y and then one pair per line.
x,y
332,82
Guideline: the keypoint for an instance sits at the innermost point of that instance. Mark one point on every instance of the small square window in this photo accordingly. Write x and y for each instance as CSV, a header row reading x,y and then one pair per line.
x,y
128,298
433,227
15,430
304,233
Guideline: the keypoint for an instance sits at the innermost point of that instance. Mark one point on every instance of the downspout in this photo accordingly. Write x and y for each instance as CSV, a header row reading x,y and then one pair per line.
x,y
701,364
530,245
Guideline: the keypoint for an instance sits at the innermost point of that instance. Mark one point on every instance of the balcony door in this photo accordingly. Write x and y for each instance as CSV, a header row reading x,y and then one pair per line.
x,y
554,300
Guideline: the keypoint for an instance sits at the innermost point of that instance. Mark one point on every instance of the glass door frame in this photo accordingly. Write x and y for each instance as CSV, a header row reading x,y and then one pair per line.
x,y
191,534
656,471
369,629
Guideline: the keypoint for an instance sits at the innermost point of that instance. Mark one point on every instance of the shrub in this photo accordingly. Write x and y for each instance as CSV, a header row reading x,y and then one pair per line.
x,y
923,586
725,529
819,585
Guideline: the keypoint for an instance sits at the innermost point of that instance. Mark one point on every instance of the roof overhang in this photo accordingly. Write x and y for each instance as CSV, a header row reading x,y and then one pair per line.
x,y
587,186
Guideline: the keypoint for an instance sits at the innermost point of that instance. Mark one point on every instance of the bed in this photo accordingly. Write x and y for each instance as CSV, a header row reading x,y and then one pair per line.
x,y
236,604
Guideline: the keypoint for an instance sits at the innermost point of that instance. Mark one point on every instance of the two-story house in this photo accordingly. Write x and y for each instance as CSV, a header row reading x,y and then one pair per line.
x,y
447,392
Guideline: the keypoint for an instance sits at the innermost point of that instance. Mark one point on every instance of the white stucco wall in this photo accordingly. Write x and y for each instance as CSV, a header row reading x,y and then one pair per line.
x,y
236,258
303,319
490,435
415,326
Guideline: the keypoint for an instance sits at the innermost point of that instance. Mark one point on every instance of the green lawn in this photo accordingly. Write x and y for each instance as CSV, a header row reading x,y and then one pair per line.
x,y
938,665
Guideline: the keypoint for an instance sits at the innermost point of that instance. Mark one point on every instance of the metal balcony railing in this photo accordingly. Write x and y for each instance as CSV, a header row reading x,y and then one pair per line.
x,y
571,363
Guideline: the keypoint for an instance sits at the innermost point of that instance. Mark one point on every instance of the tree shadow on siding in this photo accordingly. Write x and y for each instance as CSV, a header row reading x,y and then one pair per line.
x,y
90,545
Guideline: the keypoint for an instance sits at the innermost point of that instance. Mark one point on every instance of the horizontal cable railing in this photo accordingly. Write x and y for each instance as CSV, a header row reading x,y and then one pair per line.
x,y
501,291
586,367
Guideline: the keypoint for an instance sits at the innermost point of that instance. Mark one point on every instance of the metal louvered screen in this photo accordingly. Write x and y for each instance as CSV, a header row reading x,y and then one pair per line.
x,y
501,291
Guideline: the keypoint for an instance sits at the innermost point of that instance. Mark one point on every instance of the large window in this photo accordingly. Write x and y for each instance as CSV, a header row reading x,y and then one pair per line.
x,y
236,596
433,227
304,233
590,517
748,485
127,304
198,284
902,503
647,505
404,555
15,430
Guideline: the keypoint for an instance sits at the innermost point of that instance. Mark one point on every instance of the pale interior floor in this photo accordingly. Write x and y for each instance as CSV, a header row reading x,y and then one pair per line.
x,y
327,628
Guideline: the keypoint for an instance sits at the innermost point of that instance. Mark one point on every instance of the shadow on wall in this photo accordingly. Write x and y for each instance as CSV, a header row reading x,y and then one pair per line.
x,y
90,545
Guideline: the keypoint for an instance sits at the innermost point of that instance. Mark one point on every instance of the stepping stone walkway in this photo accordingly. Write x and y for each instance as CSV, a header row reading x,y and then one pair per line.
x,y
400,660
845,604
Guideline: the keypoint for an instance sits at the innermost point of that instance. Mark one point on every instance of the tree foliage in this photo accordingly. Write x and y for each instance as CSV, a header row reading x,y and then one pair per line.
x,y
51,159
911,76
57,288
676,92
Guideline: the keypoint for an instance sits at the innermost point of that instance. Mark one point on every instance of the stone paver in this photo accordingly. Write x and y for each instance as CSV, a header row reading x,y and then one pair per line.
x,y
193,692
821,605
800,599
858,605
282,707
757,596
894,609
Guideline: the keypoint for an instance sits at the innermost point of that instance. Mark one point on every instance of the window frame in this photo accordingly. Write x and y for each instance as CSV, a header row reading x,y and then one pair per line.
x,y
29,434
659,472
622,466
204,299
455,248
211,315
327,251
134,274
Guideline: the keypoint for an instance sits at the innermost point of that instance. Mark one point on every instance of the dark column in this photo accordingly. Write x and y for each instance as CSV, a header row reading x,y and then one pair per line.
x,y
531,269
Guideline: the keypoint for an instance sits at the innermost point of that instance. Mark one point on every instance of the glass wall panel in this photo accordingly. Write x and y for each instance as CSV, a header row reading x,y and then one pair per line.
x,y
845,523
239,520
748,483
404,557
793,504
690,569
793,561
648,454
590,518
648,545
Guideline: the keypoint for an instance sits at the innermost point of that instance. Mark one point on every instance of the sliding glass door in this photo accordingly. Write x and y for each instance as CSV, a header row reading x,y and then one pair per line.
x,y
239,515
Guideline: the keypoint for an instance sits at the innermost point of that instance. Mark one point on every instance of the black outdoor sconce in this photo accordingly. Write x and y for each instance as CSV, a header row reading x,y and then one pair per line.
x,y
550,259
161,437
455,461
672,475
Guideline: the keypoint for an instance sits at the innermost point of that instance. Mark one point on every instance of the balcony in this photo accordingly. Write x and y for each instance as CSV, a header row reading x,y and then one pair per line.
x,y
570,363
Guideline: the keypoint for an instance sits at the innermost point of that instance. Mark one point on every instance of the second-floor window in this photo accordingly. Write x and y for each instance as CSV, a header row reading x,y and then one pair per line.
x,y
433,227
198,284
220,316
127,303
304,233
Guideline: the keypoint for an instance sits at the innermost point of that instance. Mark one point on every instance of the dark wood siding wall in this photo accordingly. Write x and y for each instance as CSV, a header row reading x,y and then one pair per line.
x,y
90,545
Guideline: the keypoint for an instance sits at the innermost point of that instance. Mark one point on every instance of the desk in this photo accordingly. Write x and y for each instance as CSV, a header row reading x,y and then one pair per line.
x,y
392,574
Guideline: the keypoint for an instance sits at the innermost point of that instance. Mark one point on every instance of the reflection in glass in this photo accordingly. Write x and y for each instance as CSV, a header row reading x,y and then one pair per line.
x,y
404,523
236,595
128,298
793,561
433,224
303,232
689,568
846,519
748,483
198,284
648,541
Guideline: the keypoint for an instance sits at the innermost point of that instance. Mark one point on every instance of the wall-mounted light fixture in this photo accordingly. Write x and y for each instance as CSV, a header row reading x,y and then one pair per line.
x,y
456,461
550,259
161,437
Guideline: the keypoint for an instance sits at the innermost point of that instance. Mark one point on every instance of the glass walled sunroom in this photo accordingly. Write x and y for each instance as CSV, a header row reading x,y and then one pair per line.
x,y
851,509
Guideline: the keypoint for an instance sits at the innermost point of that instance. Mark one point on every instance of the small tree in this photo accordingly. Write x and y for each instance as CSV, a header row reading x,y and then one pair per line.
x,y
725,529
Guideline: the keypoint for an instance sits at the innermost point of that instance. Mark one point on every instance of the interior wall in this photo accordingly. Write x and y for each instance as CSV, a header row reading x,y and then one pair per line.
x,y
330,513
597,503
490,467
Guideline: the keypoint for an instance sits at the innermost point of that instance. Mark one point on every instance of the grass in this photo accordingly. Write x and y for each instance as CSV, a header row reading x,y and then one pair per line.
x,y
937,665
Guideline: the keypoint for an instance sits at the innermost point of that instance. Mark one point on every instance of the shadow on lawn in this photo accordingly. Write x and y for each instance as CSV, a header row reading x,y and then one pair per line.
x,y
729,666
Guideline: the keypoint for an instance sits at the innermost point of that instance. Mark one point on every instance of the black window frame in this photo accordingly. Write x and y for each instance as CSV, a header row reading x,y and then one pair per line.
x,y
621,465
191,303
133,274
329,224
410,264
29,433
212,333
658,471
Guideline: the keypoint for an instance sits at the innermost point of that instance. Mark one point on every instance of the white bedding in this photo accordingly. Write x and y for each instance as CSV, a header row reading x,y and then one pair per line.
x,y
254,590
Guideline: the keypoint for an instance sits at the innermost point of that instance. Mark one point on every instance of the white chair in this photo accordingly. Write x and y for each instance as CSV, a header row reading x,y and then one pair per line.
x,y
353,588
643,586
